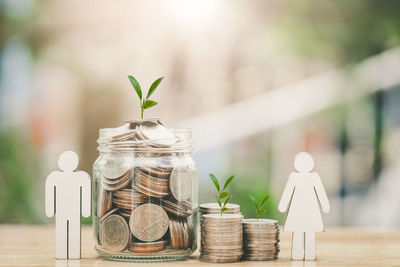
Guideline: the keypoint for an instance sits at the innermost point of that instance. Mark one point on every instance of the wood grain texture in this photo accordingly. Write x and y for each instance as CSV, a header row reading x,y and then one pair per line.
x,y
27,245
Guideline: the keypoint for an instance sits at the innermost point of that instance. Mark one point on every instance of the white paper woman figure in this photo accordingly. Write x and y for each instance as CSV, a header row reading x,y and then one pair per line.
x,y
302,195
65,192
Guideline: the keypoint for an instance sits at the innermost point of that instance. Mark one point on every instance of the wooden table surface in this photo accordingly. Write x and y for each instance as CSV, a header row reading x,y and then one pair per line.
x,y
27,245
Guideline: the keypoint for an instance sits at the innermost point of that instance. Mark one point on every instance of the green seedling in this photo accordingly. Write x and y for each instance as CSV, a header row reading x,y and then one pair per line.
x,y
145,103
259,207
222,194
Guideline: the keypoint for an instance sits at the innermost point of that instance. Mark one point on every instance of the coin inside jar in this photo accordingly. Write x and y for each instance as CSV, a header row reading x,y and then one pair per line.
x,y
148,246
180,183
148,222
104,202
114,233
114,168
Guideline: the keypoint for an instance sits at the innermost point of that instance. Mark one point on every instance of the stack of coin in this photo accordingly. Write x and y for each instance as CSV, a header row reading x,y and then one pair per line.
x,y
152,134
180,233
156,131
152,183
148,247
115,175
261,239
221,238
213,208
127,200
104,202
181,209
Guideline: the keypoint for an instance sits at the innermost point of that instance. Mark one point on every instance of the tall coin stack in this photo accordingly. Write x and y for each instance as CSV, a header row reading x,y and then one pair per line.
x,y
213,208
221,238
261,239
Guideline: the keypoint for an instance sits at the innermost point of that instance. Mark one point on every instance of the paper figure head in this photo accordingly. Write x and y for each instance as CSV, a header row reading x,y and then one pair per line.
x,y
68,161
303,162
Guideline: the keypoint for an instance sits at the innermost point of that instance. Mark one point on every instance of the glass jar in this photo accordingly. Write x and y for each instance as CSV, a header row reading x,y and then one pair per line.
x,y
145,193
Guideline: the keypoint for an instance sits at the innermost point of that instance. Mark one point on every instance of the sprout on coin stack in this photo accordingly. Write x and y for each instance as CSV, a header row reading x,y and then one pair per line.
x,y
214,208
261,236
221,233
220,206
145,179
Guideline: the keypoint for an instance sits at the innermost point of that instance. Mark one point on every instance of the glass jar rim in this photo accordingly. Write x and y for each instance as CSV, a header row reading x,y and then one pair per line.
x,y
182,142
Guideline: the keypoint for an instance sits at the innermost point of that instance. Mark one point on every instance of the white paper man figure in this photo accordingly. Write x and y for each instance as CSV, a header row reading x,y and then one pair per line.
x,y
302,195
67,194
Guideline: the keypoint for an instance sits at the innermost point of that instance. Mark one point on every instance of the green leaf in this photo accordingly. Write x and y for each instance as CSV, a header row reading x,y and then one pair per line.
x,y
218,200
136,86
224,195
215,181
223,209
228,182
226,201
264,201
153,87
254,201
149,104
261,211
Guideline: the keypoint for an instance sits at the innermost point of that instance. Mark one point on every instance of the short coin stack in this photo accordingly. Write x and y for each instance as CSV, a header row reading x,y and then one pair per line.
x,y
213,208
261,239
221,238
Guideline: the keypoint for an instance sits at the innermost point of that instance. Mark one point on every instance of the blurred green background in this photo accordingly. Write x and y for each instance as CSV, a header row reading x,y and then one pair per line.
x,y
263,79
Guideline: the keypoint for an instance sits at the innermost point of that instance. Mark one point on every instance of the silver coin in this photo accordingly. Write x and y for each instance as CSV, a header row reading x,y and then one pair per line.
x,y
114,233
222,251
261,251
215,226
149,222
104,202
260,222
114,168
180,183
222,246
158,133
123,183
260,247
260,258
211,239
208,208
221,224
224,217
107,214
221,235
257,237
261,232
233,254
206,243
261,254
225,234
218,259
261,241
